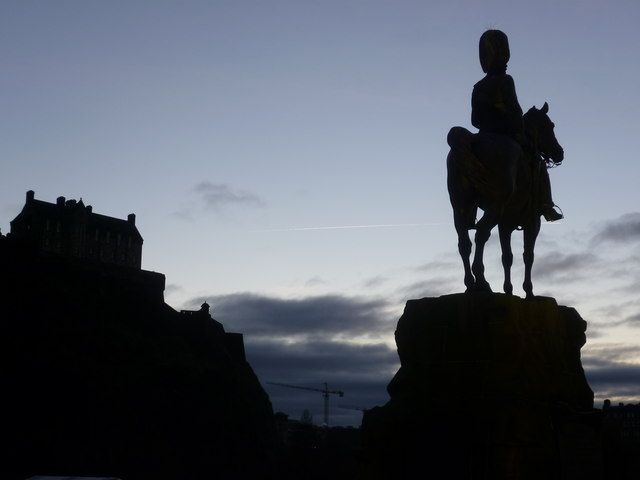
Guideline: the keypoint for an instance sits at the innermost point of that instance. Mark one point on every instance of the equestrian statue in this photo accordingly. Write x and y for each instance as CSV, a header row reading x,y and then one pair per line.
x,y
502,169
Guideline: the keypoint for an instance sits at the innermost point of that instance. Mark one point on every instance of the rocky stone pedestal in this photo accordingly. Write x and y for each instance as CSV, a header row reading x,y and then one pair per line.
x,y
490,387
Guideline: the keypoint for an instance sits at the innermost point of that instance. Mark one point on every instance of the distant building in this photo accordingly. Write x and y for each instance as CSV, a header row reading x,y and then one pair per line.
x,y
70,229
626,418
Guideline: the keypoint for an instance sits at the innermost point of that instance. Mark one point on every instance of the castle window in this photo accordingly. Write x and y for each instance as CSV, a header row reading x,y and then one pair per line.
x,y
97,236
129,242
47,225
119,238
108,236
58,227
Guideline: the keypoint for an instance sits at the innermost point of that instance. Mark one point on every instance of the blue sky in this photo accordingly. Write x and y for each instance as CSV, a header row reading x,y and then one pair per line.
x,y
226,125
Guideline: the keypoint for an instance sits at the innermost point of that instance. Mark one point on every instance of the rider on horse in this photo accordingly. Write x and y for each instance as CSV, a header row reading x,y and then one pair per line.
x,y
495,109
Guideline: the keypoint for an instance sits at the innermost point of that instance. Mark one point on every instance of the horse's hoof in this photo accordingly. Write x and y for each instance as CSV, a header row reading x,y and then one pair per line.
x,y
527,286
470,283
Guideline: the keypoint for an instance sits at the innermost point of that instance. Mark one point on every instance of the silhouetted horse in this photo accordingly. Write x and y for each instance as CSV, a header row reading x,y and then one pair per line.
x,y
494,173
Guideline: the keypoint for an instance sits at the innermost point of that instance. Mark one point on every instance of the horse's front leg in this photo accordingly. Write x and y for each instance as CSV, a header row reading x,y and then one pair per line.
x,y
530,234
507,256
483,232
464,248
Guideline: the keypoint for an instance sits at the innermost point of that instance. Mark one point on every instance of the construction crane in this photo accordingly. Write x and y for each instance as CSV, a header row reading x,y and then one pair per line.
x,y
325,393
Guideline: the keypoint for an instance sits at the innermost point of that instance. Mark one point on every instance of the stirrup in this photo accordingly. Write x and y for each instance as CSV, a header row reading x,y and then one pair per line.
x,y
550,214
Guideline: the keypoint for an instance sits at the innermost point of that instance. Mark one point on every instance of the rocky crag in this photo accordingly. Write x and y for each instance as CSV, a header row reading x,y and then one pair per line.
x,y
490,387
101,377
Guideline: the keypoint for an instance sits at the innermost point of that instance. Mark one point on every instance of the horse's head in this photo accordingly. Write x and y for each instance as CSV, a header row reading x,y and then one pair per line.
x,y
538,128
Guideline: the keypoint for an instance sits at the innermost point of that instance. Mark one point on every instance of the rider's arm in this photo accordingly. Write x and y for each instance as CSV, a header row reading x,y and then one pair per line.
x,y
479,102
512,106
512,109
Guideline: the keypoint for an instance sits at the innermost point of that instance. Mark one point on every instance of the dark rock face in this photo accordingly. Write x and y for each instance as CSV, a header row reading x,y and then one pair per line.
x,y
490,387
100,377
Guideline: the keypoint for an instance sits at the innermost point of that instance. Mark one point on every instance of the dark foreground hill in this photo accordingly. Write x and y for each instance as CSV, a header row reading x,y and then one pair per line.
x,y
100,377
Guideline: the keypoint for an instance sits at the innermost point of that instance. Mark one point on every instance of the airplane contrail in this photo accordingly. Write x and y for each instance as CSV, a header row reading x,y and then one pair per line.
x,y
347,227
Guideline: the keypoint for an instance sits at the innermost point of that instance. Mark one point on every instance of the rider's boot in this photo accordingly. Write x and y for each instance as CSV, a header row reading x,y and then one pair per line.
x,y
548,207
550,213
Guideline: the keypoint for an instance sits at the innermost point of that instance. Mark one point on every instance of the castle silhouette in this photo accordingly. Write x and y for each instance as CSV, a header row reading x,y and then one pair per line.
x,y
70,229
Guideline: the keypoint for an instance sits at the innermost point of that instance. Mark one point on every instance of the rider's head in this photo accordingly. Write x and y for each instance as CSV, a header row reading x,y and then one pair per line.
x,y
494,51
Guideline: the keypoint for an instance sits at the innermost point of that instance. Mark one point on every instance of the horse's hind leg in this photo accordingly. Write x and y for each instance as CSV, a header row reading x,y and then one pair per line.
x,y
483,232
464,247
530,234
507,256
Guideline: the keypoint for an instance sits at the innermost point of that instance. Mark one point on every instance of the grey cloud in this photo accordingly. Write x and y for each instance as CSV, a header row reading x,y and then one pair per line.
x,y
625,229
185,214
437,265
217,195
432,287
621,313
572,266
617,377
375,281
608,354
633,320
321,316
633,286
610,373
543,241
627,265
593,333
315,281
342,361
172,288
612,310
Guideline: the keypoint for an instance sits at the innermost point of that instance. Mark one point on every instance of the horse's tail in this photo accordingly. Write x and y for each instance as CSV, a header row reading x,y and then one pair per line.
x,y
466,162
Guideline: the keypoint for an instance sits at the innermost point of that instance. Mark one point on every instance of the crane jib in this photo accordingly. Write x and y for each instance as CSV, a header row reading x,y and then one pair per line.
x,y
325,393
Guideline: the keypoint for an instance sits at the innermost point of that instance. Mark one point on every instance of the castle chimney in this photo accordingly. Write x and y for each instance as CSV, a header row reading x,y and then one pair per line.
x,y
60,201
89,209
30,196
131,218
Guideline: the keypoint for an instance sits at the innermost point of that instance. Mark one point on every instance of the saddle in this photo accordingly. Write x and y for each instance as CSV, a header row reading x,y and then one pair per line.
x,y
488,161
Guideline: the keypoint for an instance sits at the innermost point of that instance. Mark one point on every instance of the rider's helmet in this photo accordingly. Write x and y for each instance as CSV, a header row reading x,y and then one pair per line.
x,y
494,51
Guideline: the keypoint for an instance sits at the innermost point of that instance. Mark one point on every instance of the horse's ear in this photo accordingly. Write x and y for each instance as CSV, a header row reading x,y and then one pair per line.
x,y
545,108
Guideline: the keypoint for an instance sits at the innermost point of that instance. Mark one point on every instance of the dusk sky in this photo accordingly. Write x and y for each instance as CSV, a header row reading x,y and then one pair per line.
x,y
239,131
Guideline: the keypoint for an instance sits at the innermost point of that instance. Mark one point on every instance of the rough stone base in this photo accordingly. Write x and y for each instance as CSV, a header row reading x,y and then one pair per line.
x,y
490,387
